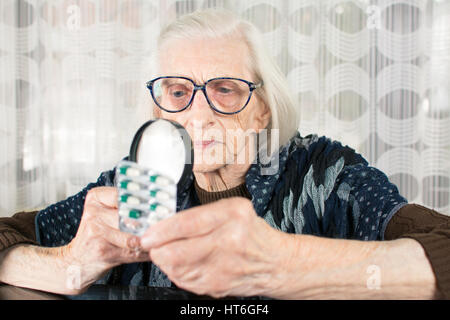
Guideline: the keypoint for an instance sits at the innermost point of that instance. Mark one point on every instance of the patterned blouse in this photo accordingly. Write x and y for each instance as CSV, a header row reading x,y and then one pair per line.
x,y
312,186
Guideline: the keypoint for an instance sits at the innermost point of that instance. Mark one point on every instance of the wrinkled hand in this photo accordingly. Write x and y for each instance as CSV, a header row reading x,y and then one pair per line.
x,y
219,249
99,245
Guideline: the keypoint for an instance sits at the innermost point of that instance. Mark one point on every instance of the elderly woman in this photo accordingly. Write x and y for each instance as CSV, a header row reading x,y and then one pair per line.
x,y
306,226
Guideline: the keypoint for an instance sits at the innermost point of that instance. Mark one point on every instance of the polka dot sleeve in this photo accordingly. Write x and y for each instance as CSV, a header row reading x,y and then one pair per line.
x,y
57,224
371,200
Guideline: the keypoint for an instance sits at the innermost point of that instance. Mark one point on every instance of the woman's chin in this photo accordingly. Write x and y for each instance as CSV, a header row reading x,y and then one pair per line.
x,y
205,168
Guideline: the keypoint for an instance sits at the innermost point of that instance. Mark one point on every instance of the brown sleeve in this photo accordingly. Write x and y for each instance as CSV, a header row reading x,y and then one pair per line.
x,y
19,228
432,230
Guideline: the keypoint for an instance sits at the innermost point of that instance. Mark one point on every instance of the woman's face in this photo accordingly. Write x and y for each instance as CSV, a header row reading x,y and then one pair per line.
x,y
218,139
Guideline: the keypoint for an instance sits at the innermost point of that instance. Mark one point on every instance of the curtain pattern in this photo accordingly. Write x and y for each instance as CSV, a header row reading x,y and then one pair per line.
x,y
371,74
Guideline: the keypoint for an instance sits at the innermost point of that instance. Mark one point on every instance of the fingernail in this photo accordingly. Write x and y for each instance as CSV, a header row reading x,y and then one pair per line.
x,y
137,252
147,241
134,242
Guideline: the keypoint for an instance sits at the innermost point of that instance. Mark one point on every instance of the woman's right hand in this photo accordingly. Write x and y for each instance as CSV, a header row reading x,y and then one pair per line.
x,y
99,245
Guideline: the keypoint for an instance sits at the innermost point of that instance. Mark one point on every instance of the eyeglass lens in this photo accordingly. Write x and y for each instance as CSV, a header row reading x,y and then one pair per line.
x,y
226,95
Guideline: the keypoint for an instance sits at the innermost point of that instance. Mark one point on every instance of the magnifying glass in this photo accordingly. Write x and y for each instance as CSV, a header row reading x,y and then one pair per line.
x,y
161,158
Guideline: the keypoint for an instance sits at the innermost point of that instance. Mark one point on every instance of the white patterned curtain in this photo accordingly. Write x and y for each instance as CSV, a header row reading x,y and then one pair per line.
x,y
373,74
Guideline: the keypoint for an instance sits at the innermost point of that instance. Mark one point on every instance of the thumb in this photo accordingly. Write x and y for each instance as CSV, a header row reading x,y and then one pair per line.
x,y
104,196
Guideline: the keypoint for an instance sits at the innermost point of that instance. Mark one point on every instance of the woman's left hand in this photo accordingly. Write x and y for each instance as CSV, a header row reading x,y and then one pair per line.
x,y
219,249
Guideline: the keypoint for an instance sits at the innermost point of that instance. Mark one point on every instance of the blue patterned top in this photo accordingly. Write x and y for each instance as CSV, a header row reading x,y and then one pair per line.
x,y
312,186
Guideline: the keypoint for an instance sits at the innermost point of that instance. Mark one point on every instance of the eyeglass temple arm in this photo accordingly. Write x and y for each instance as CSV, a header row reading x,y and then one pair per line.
x,y
258,85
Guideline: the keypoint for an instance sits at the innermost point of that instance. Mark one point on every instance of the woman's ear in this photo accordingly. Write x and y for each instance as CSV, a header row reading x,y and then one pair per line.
x,y
263,117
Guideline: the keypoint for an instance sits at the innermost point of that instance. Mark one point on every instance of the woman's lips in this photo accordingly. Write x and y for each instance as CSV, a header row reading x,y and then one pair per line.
x,y
204,143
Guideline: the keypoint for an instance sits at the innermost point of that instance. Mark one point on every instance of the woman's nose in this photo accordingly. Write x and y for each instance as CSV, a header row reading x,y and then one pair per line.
x,y
200,116
199,100
199,106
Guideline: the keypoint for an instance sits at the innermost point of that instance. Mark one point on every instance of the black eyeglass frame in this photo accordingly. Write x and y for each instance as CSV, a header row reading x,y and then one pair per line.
x,y
252,86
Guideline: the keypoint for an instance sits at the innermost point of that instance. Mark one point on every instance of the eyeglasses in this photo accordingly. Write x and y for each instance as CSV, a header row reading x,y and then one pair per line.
x,y
224,95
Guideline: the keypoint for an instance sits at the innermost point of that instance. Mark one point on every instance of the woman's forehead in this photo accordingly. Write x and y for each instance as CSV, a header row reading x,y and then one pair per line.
x,y
204,58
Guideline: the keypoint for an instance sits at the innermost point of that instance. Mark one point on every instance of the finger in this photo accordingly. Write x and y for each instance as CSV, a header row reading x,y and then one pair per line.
x,y
109,217
117,256
101,214
184,252
132,256
193,222
103,196
119,238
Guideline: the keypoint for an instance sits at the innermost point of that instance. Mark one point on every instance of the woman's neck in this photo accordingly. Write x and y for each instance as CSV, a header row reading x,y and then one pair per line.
x,y
223,178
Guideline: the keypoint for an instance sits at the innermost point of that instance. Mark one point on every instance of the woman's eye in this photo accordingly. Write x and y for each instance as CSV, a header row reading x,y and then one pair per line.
x,y
178,94
177,91
224,90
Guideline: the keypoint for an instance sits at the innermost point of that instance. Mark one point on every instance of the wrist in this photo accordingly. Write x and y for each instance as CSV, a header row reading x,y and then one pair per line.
x,y
35,267
322,268
288,269
65,274
316,267
78,275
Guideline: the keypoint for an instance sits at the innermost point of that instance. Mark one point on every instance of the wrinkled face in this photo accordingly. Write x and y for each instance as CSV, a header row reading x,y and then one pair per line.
x,y
219,140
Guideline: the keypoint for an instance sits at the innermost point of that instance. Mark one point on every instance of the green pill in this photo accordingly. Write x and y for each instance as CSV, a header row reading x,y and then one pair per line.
x,y
159,194
159,180
159,208
123,170
127,198
129,171
153,206
135,214
128,185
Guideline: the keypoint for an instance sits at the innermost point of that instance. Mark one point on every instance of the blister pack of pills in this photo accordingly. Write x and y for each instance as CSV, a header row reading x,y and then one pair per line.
x,y
145,197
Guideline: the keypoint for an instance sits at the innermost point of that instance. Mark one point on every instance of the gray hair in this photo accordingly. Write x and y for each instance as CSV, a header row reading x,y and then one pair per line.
x,y
221,23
